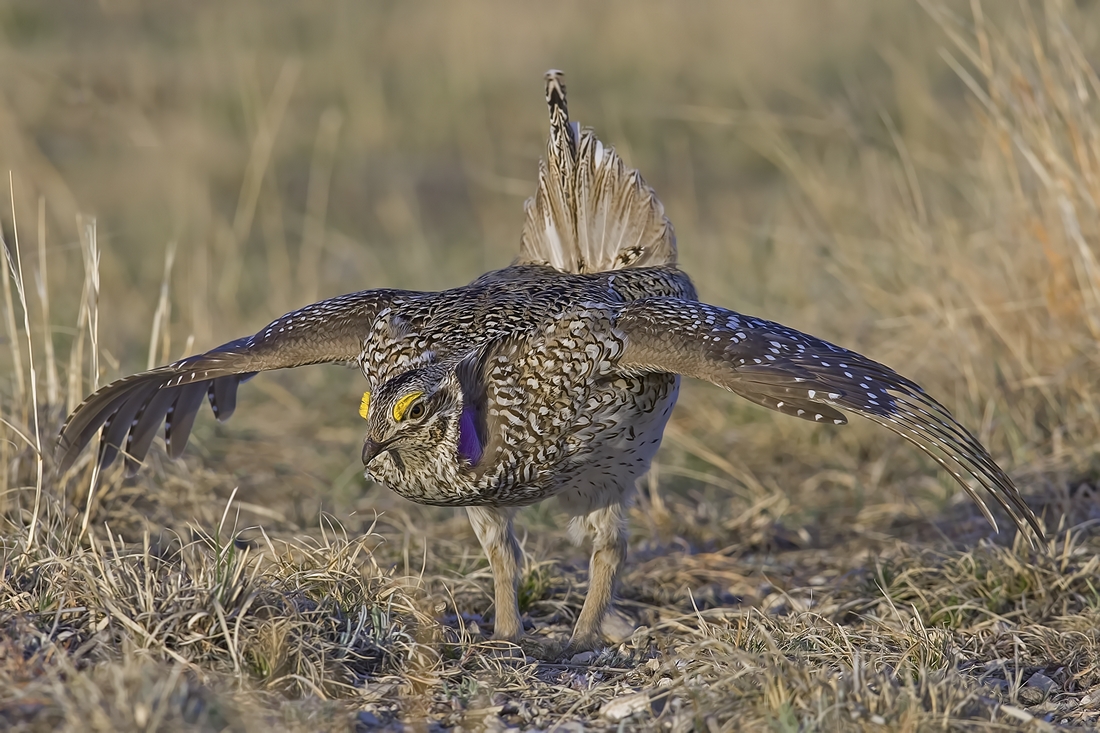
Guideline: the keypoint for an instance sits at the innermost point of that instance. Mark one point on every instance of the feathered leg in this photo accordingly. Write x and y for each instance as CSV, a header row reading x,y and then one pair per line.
x,y
493,528
607,527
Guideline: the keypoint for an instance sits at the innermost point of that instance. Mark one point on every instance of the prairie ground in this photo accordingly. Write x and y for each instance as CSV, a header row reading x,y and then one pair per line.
x,y
917,181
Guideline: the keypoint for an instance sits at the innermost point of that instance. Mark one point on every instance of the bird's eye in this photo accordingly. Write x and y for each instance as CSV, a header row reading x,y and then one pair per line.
x,y
416,411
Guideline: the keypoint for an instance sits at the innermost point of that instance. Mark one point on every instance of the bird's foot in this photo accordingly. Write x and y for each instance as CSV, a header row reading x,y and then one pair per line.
x,y
541,647
507,650
582,649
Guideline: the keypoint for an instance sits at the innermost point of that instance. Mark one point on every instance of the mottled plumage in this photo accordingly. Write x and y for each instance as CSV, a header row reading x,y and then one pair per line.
x,y
552,377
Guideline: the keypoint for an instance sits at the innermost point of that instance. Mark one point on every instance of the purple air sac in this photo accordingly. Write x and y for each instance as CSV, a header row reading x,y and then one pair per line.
x,y
469,447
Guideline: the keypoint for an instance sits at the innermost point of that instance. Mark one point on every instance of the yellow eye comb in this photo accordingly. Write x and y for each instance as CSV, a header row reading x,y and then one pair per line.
x,y
364,405
402,405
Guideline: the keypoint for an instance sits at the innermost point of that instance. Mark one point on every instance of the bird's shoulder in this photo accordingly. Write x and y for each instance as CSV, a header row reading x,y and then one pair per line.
x,y
549,312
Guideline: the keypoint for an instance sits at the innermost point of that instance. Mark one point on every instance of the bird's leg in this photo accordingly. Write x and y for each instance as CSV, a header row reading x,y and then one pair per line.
x,y
607,528
493,528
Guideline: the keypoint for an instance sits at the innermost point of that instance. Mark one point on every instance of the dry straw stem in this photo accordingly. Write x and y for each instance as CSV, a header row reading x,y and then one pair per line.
x,y
53,386
6,270
317,196
163,313
17,271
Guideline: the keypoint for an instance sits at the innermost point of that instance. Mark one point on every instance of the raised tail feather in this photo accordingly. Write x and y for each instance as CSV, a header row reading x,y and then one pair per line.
x,y
591,213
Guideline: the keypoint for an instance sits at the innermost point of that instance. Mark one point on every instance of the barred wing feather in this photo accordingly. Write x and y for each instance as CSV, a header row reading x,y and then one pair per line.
x,y
130,411
800,375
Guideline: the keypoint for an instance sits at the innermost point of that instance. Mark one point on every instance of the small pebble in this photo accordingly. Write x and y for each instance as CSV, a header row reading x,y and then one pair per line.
x,y
1041,682
367,720
1031,695
625,706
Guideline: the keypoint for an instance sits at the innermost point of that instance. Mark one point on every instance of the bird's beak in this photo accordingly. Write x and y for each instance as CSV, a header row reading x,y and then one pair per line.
x,y
372,448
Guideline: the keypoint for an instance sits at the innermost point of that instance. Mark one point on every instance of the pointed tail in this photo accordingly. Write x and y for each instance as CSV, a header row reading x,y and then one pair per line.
x,y
591,213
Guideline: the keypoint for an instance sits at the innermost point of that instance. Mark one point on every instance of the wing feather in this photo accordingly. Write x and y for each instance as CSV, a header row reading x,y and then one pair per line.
x,y
476,373
130,410
800,375
181,417
145,429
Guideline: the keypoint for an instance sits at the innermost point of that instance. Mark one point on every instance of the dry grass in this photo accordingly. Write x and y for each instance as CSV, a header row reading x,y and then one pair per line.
x,y
921,183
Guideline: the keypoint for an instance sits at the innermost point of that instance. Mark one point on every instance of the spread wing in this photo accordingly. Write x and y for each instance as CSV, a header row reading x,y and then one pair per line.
x,y
800,375
131,410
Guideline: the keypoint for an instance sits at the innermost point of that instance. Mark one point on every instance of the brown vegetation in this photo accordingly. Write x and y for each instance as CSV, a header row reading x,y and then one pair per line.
x,y
920,182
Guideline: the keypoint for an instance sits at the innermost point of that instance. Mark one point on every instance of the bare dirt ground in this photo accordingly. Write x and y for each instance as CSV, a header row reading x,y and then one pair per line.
x,y
920,182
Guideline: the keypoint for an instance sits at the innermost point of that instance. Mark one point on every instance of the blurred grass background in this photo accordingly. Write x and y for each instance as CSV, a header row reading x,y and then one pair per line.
x,y
919,182
823,163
